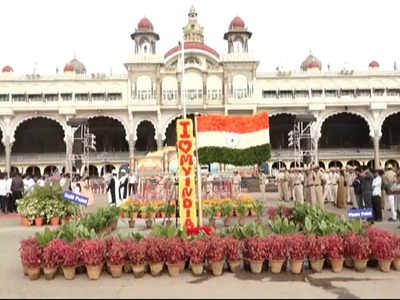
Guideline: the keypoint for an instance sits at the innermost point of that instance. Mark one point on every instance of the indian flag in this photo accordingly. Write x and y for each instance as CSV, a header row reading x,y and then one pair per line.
x,y
242,140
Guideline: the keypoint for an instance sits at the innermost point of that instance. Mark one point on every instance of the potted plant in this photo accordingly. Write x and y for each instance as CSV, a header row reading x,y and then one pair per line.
x,y
156,255
93,255
161,210
116,258
258,208
31,258
136,253
149,210
316,252
77,244
272,213
175,254
70,259
242,210
256,252
383,249
196,251
52,258
216,255
52,211
130,211
348,243
211,213
296,248
277,252
226,210
170,213
232,249
39,212
335,252
360,251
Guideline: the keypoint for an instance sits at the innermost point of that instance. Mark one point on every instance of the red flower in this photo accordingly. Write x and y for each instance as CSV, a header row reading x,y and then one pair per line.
x,y
277,247
175,250
52,253
316,247
93,253
137,252
216,249
334,246
296,246
196,250
232,248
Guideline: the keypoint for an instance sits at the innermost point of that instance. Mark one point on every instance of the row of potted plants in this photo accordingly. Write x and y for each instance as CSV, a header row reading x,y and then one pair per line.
x,y
46,205
176,250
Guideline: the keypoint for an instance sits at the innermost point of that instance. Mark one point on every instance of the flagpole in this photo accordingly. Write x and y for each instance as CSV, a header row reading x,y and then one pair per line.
x,y
198,175
183,76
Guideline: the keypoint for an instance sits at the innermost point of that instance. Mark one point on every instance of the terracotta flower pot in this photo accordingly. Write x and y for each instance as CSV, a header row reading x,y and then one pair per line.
x,y
163,215
197,269
211,222
296,266
69,272
131,223
149,223
217,267
156,269
256,266
115,270
39,222
241,222
127,267
234,265
55,221
396,264
384,265
182,265
153,215
173,269
66,220
33,273
25,222
253,213
336,264
94,272
276,265
227,222
134,215
49,273
138,270
218,214
143,215
24,268
360,265
348,262
317,265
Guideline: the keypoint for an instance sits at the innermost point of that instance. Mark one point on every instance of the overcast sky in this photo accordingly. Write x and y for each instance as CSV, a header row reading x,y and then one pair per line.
x,y
340,33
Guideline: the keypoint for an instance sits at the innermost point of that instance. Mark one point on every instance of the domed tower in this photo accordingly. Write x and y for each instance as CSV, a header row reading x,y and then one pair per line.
x,y
145,38
237,36
373,66
193,32
76,66
311,63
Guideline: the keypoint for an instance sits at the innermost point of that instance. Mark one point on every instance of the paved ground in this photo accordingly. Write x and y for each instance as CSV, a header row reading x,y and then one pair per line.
x,y
348,284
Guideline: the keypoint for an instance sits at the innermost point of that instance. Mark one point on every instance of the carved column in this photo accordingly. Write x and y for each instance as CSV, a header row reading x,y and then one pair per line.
x,y
159,142
376,138
69,143
131,143
8,146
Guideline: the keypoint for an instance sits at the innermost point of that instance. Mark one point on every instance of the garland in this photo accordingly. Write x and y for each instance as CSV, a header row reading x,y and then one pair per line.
x,y
236,157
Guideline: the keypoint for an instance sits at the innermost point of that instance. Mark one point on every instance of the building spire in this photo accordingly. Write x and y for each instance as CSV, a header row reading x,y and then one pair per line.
x,y
193,32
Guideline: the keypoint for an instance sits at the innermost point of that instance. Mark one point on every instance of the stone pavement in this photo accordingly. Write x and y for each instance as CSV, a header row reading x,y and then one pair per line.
x,y
348,284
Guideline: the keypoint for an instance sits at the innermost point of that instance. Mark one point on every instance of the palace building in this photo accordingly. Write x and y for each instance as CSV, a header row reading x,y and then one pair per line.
x,y
357,113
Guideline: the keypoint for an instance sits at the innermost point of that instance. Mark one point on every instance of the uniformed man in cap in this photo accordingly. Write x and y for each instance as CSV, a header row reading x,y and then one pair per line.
x,y
311,186
391,178
298,186
306,188
319,181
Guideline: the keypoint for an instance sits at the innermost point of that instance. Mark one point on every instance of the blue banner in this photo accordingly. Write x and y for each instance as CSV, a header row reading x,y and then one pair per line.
x,y
76,198
360,213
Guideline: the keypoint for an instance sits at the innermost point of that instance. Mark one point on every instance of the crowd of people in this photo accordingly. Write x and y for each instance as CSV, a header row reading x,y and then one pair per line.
x,y
355,187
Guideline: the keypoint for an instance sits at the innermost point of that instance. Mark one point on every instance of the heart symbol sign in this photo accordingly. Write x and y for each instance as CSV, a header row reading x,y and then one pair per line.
x,y
185,146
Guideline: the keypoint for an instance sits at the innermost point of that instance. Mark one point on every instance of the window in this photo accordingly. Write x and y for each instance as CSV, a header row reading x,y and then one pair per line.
x,y
331,93
363,93
193,94
285,94
214,94
66,96
35,98
98,97
114,96
379,92
316,93
301,94
18,98
393,92
269,94
3,98
347,93
170,95
51,97
82,97
144,94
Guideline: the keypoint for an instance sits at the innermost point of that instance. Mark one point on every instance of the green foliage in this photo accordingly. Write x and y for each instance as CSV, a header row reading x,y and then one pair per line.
x,y
242,209
167,231
282,226
226,208
169,210
211,211
43,239
250,230
236,157
258,208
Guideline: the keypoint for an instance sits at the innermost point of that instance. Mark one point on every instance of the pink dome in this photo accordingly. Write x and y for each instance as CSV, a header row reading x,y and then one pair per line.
x,y
69,68
314,64
145,24
374,64
237,23
7,69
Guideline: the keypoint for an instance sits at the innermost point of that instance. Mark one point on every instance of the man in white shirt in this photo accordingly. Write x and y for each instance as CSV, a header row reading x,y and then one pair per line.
x,y
376,195
132,183
29,184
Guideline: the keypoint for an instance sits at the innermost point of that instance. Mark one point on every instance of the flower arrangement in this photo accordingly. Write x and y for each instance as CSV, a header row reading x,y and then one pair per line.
x,y
198,230
116,253
334,247
216,249
136,252
272,213
155,250
174,251
255,248
196,250
316,247
52,253
296,246
70,256
383,248
360,247
232,249
92,253
277,247
30,253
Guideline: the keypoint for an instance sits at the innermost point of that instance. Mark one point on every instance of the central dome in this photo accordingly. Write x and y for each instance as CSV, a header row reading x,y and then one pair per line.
x,y
311,62
75,65
193,46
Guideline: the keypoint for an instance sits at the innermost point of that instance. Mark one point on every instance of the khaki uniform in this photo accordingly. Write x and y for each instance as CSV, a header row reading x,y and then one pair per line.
x,y
281,178
236,184
335,182
311,186
351,194
291,184
286,191
262,181
306,188
391,176
298,187
318,182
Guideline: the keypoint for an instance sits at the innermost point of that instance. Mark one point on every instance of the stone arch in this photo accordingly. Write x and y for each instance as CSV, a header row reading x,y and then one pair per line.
x,y
353,163
49,170
321,120
33,171
335,164
172,118
149,119
278,135
384,117
144,82
21,119
389,136
322,165
123,122
144,140
108,169
394,163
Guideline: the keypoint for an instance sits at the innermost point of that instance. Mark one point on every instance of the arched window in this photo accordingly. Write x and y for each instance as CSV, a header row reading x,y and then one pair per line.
x,y
169,89
214,88
193,86
240,87
144,88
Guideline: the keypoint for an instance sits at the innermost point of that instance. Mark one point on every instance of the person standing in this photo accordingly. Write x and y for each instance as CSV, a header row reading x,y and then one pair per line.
x,y
86,190
17,190
306,186
3,193
286,191
113,189
342,192
311,186
366,188
391,177
352,195
357,189
376,195
237,179
318,183
132,183
123,186
291,183
298,187
335,184
281,177
262,182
